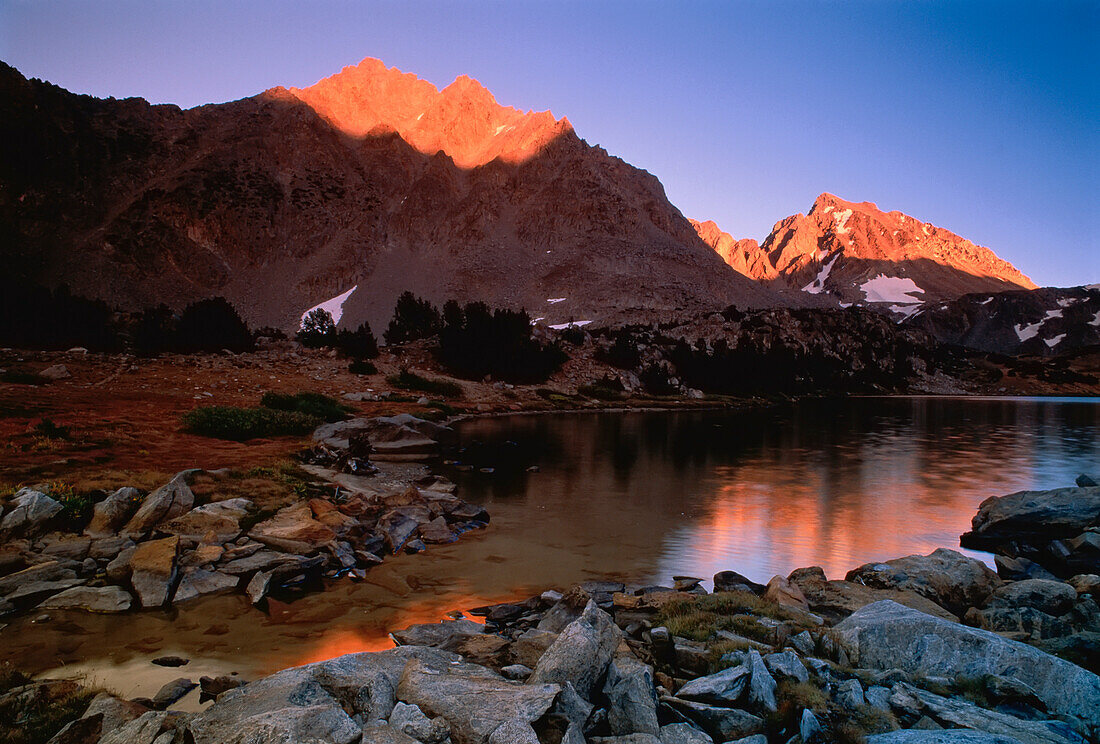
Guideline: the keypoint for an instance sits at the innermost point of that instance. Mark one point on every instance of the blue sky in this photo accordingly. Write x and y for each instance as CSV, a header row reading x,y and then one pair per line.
x,y
981,117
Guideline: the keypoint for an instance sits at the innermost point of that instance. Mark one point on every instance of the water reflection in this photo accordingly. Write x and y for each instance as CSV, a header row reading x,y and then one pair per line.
x,y
829,483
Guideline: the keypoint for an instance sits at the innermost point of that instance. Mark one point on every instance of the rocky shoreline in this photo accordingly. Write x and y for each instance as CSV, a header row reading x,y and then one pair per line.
x,y
165,547
935,648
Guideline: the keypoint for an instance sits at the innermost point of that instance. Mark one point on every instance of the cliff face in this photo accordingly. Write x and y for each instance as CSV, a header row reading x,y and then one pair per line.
x,y
857,253
369,180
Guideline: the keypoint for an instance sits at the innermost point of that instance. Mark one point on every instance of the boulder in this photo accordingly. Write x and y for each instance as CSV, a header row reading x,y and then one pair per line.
x,y
294,530
48,571
1051,597
721,688
198,582
472,699
723,724
959,713
153,570
886,635
142,730
530,646
849,693
219,518
55,372
947,577
69,548
952,736
409,719
1025,523
105,599
307,703
684,733
809,728
31,593
113,712
784,593
118,570
109,515
397,528
761,684
631,698
1085,583
835,599
172,691
565,610
513,732
169,501
731,581
787,665
211,687
436,635
31,513
263,560
581,652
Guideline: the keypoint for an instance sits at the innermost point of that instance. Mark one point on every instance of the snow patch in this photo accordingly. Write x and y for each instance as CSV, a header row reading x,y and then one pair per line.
x,y
890,289
842,221
1095,321
905,310
817,286
827,209
574,324
536,320
500,129
556,300
845,305
1069,301
1024,332
334,307
1052,342
986,301
1051,314
925,230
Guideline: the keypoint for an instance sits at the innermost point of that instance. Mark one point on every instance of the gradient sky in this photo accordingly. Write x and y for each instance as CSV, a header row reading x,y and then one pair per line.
x,y
981,117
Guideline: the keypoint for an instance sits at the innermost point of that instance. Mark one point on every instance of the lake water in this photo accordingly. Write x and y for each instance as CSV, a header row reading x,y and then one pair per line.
x,y
634,496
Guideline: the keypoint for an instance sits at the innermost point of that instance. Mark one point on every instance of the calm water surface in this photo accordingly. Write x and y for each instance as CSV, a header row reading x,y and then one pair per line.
x,y
635,496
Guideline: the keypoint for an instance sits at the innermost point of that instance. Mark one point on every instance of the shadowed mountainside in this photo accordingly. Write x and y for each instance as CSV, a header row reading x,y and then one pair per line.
x,y
371,179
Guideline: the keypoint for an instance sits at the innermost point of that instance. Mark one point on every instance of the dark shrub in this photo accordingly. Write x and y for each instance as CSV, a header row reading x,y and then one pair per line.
x,y
317,330
413,318
655,380
211,325
241,424
358,344
623,352
312,404
37,318
153,331
477,342
574,335
407,380
362,367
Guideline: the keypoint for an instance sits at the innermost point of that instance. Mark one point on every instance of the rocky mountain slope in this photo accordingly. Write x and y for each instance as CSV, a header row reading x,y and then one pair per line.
x,y
859,254
1040,322
366,184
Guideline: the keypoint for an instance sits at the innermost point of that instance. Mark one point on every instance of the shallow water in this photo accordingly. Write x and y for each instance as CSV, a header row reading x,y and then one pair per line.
x,y
637,496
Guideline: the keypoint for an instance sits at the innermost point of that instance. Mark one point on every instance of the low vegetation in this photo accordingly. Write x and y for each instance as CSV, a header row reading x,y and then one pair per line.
x,y
406,380
242,424
32,713
311,404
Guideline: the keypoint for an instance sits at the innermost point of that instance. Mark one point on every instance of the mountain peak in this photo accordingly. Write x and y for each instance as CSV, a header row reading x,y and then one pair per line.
x,y
463,120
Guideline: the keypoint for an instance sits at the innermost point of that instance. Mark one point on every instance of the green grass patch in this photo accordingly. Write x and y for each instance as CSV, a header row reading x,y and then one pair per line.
x,y
242,424
599,392
311,404
406,380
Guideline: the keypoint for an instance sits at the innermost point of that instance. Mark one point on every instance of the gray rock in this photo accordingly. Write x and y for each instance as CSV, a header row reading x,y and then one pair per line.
x,y
955,736
409,719
48,571
684,733
514,732
473,699
802,642
722,688
311,703
631,698
517,672
106,548
1051,597
1086,481
849,693
294,530
1018,569
214,686
754,739
262,560
105,599
32,511
761,684
437,635
172,691
118,570
114,711
31,593
142,730
947,577
380,732
626,739
72,548
1032,518
787,665
258,586
565,610
731,581
109,515
957,713
723,724
581,652
171,500
878,697
198,582
886,635
153,570
530,646
809,728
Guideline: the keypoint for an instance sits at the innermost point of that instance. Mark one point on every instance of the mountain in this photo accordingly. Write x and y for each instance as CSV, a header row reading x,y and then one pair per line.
x,y
346,193
859,254
1040,322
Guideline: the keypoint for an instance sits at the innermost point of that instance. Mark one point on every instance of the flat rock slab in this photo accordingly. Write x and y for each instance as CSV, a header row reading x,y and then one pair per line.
x,y
220,517
106,599
171,500
886,635
954,736
197,582
473,699
294,530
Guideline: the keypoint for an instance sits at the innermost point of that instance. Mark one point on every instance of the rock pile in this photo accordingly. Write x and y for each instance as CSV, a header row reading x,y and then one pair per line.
x,y
165,547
